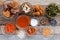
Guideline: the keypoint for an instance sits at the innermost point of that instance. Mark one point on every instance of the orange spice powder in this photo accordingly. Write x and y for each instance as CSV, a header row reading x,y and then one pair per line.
x,y
9,28
22,21
46,32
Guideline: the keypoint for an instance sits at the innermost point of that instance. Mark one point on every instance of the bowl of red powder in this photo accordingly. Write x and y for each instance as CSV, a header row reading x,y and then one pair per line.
x,y
22,21
9,28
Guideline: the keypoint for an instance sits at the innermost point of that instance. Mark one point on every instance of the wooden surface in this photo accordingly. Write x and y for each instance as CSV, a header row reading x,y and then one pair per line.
x,y
56,30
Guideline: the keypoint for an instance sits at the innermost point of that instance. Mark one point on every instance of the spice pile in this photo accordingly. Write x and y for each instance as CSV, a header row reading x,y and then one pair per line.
x,y
9,28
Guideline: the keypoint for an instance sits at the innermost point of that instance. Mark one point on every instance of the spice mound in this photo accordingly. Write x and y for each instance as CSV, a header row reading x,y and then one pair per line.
x,y
22,21
46,32
30,31
9,28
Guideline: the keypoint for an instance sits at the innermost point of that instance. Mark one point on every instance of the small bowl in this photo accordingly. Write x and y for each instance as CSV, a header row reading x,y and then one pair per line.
x,y
37,20
3,31
12,16
28,7
19,17
51,35
29,30
45,19
53,22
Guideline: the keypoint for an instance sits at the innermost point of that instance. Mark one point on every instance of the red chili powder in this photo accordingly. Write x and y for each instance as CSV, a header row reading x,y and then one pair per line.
x,y
22,21
9,28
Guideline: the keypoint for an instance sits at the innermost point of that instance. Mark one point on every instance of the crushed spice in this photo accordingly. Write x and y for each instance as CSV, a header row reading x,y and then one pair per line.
x,y
30,31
